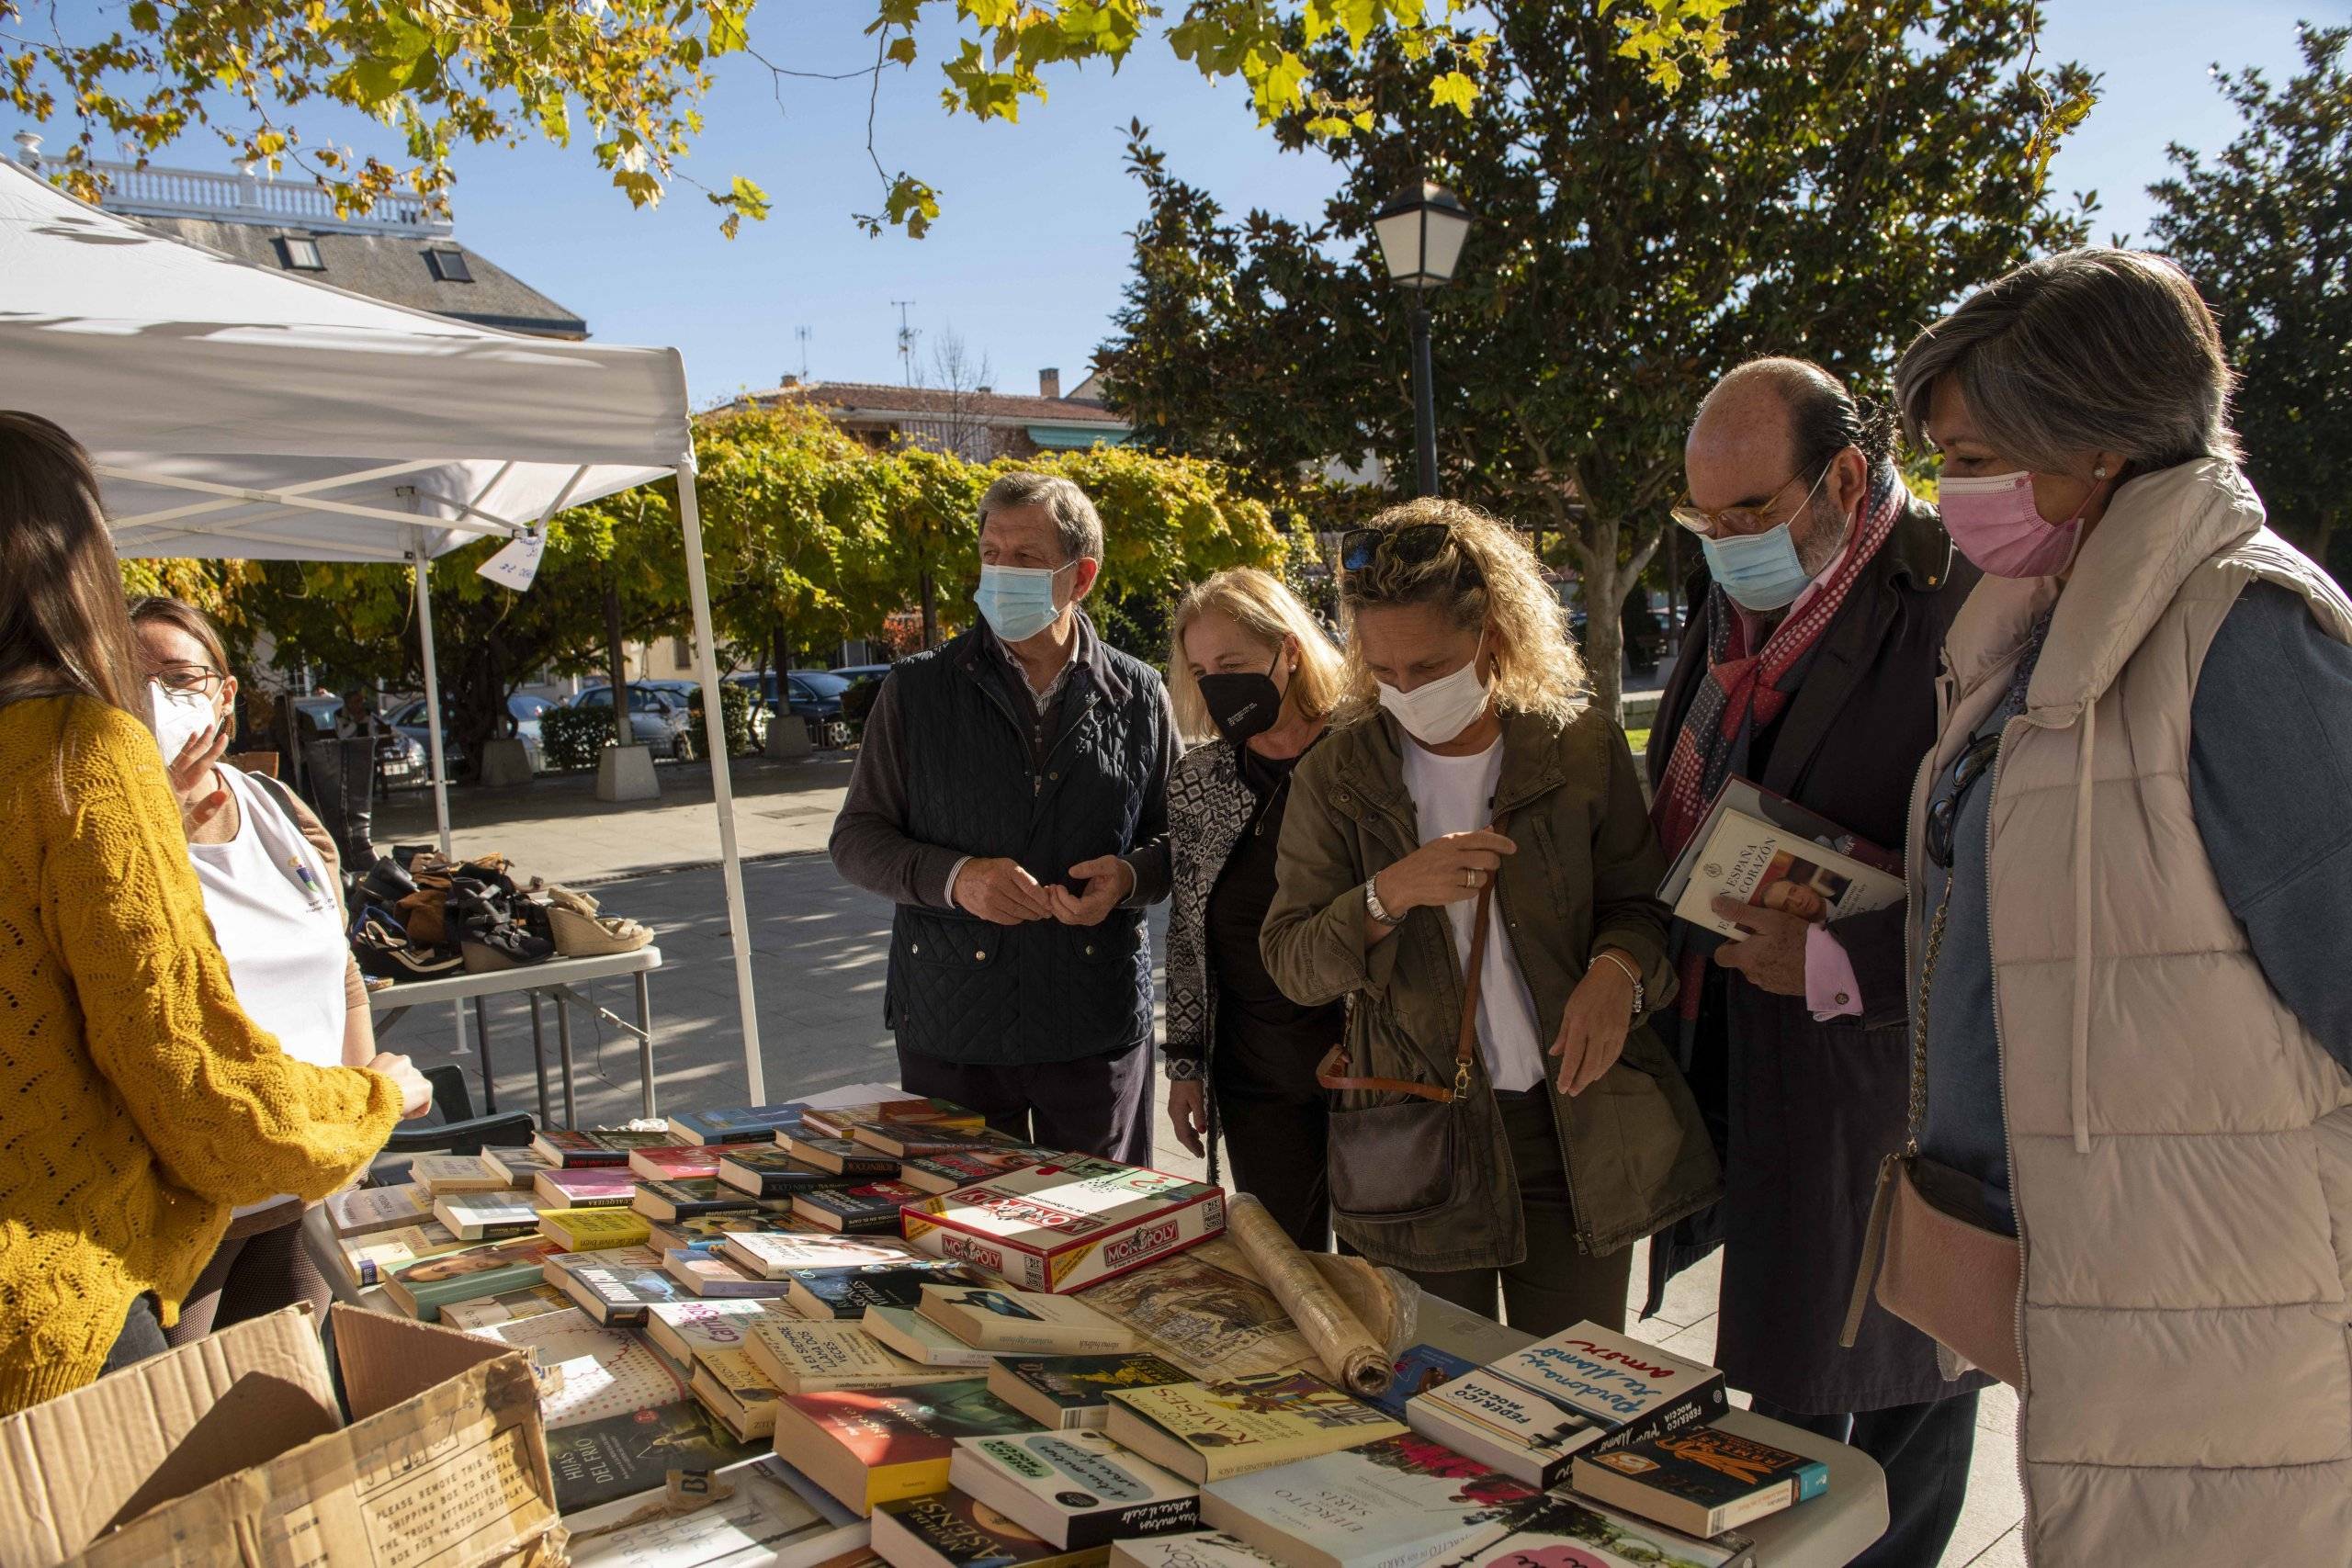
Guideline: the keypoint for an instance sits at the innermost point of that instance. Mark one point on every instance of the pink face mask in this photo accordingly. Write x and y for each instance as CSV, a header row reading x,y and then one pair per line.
x,y
1996,525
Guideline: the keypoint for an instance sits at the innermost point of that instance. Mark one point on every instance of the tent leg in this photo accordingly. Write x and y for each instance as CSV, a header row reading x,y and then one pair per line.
x,y
424,569
432,696
722,788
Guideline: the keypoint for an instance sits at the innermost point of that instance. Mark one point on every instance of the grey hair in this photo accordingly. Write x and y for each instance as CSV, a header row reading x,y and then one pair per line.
x,y
2091,350
1075,523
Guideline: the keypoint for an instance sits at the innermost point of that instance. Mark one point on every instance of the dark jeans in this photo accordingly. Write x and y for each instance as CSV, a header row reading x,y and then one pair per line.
x,y
1096,1105
1554,1286
141,1335
1924,1449
252,1276
1275,1144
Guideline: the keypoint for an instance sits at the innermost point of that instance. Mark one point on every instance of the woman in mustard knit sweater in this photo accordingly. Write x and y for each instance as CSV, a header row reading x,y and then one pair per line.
x,y
138,1103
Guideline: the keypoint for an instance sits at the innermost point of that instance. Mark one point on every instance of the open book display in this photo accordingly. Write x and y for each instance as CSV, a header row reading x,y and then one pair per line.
x,y
841,1395
1765,850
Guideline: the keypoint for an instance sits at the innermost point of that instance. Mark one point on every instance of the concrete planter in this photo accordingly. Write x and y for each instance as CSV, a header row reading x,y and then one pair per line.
x,y
505,762
626,773
788,736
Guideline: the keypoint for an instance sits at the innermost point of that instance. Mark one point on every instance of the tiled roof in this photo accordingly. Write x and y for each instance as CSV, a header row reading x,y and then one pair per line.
x,y
851,398
391,268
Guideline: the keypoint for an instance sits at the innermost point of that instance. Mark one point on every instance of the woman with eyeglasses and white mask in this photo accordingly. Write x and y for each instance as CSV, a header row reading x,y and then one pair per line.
x,y
273,891
1467,859
1253,680
2128,1181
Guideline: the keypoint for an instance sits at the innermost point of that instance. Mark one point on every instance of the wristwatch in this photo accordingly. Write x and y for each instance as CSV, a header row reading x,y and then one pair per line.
x,y
1374,907
1641,992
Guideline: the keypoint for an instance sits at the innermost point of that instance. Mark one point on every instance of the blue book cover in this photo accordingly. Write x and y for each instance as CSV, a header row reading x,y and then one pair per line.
x,y
736,1124
1419,1370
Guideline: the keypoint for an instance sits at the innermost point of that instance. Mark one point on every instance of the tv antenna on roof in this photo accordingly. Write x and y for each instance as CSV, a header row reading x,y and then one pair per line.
x,y
907,335
802,333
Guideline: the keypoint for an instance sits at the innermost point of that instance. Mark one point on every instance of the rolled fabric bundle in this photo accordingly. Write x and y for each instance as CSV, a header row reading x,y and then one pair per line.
x,y
1383,1300
1355,1359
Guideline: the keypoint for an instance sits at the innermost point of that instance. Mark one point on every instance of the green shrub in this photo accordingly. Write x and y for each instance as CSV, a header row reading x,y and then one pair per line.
x,y
571,738
734,712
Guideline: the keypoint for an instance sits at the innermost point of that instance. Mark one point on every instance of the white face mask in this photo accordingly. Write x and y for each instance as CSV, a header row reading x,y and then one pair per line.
x,y
180,717
1436,711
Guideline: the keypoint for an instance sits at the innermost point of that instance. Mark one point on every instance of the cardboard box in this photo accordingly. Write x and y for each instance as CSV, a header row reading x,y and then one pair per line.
x,y
1070,1224
232,1450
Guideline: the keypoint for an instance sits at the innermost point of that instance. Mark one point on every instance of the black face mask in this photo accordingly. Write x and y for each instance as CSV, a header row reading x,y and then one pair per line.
x,y
1242,706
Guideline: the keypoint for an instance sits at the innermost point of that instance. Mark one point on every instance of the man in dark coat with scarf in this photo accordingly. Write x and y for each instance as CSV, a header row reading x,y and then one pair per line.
x,y
1809,667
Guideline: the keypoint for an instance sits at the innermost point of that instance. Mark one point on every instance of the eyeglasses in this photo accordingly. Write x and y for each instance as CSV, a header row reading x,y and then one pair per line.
x,y
1409,546
194,678
1741,519
1943,817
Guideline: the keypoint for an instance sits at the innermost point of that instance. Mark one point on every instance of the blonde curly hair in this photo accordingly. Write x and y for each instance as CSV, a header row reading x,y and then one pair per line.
x,y
1484,575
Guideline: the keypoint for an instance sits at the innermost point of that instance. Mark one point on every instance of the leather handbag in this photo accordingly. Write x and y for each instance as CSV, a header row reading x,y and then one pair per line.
x,y
1400,1161
1930,1249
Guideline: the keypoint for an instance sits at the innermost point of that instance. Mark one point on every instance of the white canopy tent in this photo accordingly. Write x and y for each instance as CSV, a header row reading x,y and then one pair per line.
x,y
236,413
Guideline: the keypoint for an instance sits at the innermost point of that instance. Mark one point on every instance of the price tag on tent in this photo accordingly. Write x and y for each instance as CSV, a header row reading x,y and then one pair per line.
x,y
518,563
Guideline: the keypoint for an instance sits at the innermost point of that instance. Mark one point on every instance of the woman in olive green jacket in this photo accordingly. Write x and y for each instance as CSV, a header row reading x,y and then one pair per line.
x,y
1575,1135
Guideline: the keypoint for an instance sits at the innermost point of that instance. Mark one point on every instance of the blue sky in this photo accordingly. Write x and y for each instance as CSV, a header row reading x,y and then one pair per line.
x,y
1027,260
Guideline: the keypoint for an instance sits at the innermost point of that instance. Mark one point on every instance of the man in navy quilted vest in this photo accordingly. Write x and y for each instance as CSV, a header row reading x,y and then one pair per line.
x,y
1011,796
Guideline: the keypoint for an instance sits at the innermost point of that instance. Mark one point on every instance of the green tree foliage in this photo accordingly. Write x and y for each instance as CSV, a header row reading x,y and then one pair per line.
x,y
356,623
1850,170
2266,228
804,530
632,74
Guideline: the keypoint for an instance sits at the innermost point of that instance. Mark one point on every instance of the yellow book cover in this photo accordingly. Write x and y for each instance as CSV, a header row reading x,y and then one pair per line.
x,y
594,1230
801,1357
1209,1431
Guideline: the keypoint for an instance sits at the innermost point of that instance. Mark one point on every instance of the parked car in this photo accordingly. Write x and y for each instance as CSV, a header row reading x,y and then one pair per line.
x,y
521,711
524,709
813,695
659,718
400,758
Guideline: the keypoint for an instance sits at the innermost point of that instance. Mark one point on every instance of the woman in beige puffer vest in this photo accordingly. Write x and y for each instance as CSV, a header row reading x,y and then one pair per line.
x,y
2139,1037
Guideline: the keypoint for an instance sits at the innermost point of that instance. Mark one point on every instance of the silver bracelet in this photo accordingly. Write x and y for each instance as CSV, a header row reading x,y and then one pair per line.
x,y
1374,907
1641,992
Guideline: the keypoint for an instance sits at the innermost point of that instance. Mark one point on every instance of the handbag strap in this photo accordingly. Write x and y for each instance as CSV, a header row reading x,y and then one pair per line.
x,y
1331,1072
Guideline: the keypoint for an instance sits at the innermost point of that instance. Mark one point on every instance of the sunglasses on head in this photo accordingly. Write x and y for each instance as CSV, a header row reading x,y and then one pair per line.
x,y
1943,817
1409,546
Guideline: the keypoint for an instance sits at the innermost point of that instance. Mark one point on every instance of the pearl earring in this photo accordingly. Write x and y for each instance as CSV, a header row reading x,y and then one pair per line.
x,y
2099,472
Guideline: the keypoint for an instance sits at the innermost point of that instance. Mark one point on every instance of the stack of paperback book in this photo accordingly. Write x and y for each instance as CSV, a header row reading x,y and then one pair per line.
x,y
866,1313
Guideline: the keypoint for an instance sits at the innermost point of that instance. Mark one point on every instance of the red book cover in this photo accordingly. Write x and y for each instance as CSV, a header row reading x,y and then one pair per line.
x,y
677,1162
835,1122
592,1187
919,1424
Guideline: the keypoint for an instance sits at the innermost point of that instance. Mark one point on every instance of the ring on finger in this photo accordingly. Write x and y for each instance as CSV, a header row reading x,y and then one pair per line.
x,y
1469,877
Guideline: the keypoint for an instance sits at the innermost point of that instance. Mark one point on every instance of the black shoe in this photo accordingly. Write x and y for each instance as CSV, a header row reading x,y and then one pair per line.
x,y
384,954
387,883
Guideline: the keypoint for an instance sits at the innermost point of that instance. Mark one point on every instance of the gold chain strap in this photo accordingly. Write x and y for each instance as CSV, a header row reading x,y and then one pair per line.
x,y
1918,1114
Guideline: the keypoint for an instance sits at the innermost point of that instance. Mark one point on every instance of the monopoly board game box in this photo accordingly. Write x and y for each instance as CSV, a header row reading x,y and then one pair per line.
x,y
1068,1224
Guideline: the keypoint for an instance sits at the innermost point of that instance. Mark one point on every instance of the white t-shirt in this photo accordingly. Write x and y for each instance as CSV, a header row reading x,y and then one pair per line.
x,y
279,923
1452,795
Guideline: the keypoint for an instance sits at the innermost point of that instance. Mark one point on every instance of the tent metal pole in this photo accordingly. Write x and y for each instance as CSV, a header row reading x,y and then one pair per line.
x,y
722,788
423,558
432,692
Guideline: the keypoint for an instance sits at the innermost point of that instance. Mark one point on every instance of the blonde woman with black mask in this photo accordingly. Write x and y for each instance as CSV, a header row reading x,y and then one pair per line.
x,y
1253,680
1466,859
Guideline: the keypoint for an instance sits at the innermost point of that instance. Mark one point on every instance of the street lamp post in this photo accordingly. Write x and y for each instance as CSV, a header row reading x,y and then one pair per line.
x,y
1420,229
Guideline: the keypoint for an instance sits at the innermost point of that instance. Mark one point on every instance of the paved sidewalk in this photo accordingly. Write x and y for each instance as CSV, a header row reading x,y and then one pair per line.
x,y
819,953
